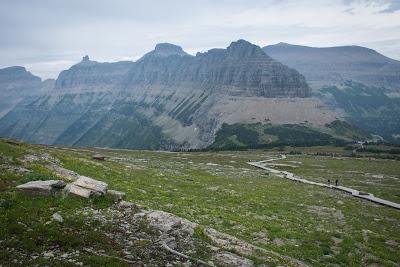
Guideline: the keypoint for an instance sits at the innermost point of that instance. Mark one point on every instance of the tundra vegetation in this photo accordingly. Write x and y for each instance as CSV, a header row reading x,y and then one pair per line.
x,y
219,190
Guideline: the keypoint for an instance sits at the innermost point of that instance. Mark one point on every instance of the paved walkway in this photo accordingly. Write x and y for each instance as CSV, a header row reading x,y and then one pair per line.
x,y
284,174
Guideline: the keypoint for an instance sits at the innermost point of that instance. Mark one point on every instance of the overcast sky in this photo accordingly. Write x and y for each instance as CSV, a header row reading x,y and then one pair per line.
x,y
47,36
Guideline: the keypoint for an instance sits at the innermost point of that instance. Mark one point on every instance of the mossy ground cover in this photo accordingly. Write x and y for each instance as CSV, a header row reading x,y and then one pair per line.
x,y
257,135
219,189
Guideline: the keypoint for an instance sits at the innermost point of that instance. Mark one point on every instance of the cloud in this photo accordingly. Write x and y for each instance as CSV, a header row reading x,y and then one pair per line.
x,y
47,35
393,7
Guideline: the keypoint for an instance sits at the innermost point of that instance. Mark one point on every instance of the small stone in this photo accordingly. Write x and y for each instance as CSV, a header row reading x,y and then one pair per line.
x,y
48,254
391,243
57,217
118,196
125,204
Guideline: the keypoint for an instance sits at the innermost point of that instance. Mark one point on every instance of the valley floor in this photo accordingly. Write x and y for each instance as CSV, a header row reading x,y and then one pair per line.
x,y
219,190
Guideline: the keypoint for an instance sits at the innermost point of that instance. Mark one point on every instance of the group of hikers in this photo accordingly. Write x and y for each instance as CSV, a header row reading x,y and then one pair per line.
x,y
336,182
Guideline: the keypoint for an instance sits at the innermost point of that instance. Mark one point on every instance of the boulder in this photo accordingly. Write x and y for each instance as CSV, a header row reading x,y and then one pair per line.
x,y
125,204
45,188
75,190
97,187
118,196
63,173
86,187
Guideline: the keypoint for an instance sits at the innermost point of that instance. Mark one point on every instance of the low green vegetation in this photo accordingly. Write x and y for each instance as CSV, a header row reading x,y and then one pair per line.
x,y
258,135
318,226
344,129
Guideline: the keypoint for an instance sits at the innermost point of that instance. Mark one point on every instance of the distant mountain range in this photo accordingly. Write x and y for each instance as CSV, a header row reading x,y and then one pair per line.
x,y
335,65
357,82
241,96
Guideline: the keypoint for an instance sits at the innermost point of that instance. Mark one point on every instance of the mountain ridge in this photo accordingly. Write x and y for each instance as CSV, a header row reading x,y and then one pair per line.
x,y
171,100
242,65
326,66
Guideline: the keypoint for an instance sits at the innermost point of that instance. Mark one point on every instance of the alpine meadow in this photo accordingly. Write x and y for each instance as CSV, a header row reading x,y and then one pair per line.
x,y
200,133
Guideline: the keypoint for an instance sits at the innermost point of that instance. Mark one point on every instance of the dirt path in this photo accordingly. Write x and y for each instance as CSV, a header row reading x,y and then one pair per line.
x,y
291,176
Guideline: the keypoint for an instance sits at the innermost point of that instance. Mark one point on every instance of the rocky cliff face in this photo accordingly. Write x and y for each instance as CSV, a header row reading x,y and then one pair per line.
x,y
16,80
16,83
94,75
241,69
334,65
166,100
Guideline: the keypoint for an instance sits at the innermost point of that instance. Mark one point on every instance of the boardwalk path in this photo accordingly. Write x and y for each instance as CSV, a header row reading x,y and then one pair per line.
x,y
291,176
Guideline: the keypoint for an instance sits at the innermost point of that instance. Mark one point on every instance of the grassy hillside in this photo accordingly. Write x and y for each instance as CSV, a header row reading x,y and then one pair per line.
x,y
258,135
315,225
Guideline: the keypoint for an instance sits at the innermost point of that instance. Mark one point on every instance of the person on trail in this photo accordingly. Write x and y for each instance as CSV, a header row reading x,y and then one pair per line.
x,y
337,182
329,182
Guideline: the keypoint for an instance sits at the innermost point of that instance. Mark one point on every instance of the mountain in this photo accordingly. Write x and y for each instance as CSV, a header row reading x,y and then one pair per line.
x,y
334,65
241,69
357,82
165,50
17,83
166,100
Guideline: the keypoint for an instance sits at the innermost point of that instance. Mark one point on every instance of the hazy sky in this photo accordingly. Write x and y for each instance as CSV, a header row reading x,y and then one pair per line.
x,y
47,36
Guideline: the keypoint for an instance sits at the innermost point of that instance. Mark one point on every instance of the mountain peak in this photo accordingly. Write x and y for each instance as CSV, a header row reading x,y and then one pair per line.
x,y
17,72
283,44
13,69
85,58
166,50
85,62
243,48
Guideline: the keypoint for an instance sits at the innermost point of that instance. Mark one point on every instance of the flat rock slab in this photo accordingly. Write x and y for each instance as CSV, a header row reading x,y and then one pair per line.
x,y
75,190
45,188
65,174
97,187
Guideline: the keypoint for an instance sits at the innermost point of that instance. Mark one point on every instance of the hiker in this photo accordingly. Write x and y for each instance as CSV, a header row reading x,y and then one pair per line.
x,y
329,182
337,182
